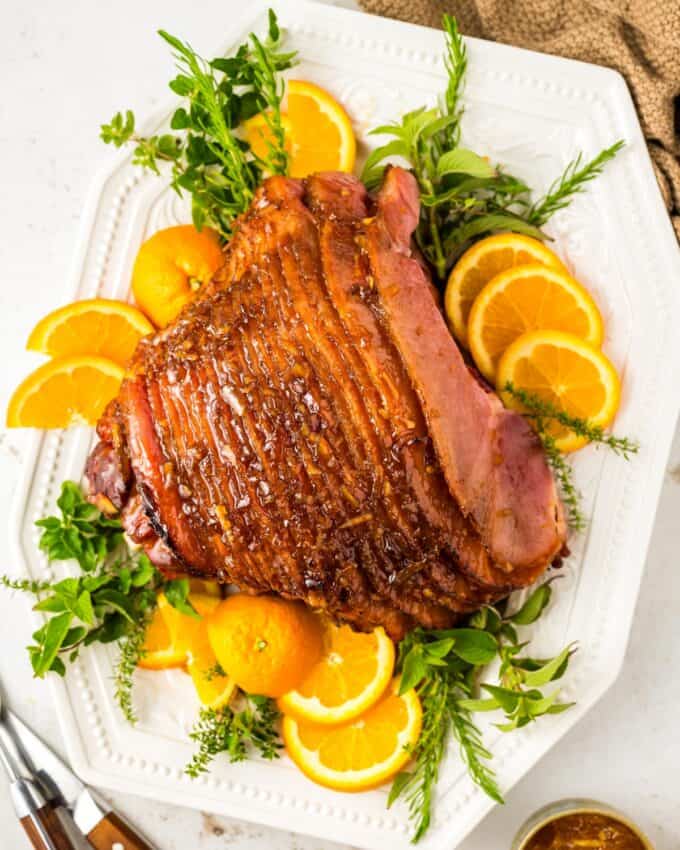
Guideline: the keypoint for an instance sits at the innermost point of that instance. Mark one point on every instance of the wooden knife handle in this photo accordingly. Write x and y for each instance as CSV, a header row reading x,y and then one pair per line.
x,y
112,833
53,827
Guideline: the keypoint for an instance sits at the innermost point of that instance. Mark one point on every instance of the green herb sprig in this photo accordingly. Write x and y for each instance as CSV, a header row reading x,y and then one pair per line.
x,y
463,196
110,601
542,412
573,180
235,732
444,666
210,158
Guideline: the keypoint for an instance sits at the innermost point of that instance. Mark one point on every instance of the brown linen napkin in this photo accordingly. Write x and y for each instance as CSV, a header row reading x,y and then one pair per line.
x,y
639,38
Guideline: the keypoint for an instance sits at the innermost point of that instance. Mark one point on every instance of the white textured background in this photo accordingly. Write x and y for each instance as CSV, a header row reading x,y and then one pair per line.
x,y
66,67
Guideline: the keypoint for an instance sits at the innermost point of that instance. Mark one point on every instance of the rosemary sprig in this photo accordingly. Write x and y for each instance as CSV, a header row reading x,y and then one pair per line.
x,y
444,667
463,196
209,156
233,732
574,179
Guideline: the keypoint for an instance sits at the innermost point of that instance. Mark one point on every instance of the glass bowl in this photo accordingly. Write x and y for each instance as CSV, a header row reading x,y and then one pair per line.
x,y
570,807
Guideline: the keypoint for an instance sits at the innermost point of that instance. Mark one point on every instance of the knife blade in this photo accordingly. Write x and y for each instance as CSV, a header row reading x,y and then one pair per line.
x,y
93,816
41,821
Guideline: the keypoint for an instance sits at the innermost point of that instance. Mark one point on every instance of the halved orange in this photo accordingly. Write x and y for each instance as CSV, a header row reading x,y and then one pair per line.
x,y
562,369
351,676
526,298
171,266
360,754
158,652
484,260
319,135
66,391
98,326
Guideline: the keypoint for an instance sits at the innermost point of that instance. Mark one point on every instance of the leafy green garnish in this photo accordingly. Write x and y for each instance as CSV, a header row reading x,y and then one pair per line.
x,y
111,600
541,412
444,667
233,732
210,159
81,532
463,196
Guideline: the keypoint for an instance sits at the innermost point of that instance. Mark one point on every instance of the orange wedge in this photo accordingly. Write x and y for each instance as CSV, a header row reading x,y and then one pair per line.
x,y
174,639
185,630
170,268
362,753
66,391
351,676
98,326
564,370
526,298
214,688
158,650
319,135
484,260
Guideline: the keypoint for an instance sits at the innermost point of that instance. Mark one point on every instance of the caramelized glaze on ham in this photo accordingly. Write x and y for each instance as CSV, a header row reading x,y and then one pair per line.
x,y
308,427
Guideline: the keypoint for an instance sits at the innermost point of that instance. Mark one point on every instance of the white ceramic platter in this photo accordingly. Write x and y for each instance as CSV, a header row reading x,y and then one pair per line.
x,y
532,113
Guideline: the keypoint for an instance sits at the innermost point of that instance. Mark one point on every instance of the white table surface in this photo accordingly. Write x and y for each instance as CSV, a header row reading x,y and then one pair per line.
x,y
66,67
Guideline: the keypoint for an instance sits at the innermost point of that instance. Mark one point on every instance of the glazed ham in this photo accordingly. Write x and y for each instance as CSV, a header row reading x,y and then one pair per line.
x,y
308,426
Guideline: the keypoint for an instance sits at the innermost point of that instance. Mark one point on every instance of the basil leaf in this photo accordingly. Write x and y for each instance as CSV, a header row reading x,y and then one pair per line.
x,y
550,671
177,594
474,646
463,161
534,606
55,632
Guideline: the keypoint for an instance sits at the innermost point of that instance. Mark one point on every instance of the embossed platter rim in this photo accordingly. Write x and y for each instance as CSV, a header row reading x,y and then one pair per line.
x,y
531,112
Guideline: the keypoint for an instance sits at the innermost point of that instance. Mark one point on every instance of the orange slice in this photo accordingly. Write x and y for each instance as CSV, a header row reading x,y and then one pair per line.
x,y
319,135
66,391
564,370
484,260
170,268
360,754
158,650
351,676
98,326
526,298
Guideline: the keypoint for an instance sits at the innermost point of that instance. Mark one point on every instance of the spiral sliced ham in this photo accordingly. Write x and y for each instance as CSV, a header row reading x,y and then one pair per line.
x,y
308,426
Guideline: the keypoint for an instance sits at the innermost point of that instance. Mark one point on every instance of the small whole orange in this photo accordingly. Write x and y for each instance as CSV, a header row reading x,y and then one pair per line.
x,y
265,644
171,266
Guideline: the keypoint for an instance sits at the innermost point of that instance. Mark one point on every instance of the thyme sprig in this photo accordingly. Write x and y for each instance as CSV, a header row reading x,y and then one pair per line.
x,y
209,156
445,667
541,409
234,732
131,653
542,412
463,196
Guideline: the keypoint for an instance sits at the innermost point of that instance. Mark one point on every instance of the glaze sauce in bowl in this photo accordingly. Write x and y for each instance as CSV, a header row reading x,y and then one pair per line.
x,y
585,831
